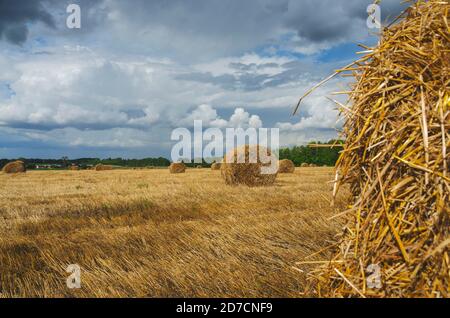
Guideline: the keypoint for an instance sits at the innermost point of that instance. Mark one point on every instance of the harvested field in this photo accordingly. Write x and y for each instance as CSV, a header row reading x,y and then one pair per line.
x,y
148,233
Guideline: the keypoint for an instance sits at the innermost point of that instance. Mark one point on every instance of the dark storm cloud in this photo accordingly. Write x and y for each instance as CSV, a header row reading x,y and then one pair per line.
x,y
15,14
390,9
242,81
245,78
248,67
201,30
236,26
329,20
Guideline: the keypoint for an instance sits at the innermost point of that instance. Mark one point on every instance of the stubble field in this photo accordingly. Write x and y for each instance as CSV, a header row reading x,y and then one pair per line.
x,y
148,233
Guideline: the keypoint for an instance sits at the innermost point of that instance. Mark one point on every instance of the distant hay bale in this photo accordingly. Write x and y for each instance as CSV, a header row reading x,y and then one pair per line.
x,y
286,166
101,167
215,166
74,167
177,167
304,165
14,167
241,171
312,165
199,167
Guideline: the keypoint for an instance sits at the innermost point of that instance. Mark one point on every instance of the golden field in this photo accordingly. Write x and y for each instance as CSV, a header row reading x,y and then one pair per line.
x,y
149,233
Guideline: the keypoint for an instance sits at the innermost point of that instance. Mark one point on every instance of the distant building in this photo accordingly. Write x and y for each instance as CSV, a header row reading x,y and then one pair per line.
x,y
48,166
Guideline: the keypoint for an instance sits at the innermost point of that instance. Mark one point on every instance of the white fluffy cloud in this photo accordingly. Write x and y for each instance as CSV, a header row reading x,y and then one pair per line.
x,y
209,117
318,113
206,114
79,98
82,91
242,119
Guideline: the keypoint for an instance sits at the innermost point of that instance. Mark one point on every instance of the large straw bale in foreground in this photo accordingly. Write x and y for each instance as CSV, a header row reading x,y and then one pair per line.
x,y
177,167
396,159
240,170
286,166
101,167
14,167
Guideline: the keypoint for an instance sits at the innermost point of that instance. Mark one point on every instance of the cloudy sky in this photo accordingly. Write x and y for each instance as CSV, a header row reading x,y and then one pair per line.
x,y
137,69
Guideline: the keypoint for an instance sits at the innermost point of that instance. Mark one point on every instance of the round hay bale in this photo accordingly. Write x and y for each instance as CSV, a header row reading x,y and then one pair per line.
x,y
215,166
101,167
241,171
14,167
304,165
286,166
313,165
74,167
199,167
177,167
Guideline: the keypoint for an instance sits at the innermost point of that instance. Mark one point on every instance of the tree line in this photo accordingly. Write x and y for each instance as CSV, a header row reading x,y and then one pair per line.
x,y
32,163
318,156
298,154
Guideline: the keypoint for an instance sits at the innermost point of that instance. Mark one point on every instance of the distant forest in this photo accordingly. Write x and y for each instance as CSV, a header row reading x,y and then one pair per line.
x,y
89,162
318,156
298,154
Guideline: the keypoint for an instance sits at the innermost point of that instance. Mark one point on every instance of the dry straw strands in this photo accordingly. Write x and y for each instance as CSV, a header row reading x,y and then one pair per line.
x,y
14,167
286,166
101,167
240,170
397,133
215,166
177,167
